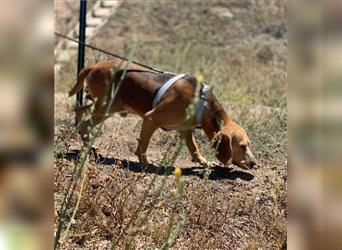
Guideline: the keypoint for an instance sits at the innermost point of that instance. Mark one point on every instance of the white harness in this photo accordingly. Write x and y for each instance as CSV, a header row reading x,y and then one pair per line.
x,y
204,95
165,87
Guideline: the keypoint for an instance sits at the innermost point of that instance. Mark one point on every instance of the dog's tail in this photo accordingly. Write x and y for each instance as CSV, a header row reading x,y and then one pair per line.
x,y
80,82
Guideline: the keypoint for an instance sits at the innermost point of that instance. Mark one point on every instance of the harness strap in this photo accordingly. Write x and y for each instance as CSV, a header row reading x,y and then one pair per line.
x,y
204,96
165,87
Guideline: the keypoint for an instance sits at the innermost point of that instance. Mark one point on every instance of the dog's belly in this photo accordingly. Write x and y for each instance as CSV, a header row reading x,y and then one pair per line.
x,y
177,127
168,127
132,110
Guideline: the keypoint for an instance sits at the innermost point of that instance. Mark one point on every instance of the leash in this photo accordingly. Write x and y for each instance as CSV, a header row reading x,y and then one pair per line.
x,y
112,54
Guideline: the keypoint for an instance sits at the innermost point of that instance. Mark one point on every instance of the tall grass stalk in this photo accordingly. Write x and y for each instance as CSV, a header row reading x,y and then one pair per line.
x,y
92,134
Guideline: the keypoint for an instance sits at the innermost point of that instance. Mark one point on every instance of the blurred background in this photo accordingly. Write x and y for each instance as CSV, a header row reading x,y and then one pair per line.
x,y
315,125
26,124
314,113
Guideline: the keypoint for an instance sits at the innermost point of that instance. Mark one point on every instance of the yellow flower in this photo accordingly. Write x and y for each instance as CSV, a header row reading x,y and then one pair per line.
x,y
177,172
200,78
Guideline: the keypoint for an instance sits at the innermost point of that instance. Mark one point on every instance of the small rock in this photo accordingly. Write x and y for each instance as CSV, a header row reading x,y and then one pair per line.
x,y
222,12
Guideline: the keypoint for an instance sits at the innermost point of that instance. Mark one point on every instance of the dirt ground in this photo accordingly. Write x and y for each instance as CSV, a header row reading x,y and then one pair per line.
x,y
238,209
121,204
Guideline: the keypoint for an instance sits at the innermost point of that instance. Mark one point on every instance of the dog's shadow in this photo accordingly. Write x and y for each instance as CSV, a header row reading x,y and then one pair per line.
x,y
216,173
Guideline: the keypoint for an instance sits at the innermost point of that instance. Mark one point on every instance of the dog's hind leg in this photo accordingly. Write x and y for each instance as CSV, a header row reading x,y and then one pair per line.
x,y
81,113
95,117
87,119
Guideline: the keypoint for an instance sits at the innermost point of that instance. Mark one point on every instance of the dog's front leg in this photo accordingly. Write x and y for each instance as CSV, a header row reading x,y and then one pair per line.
x,y
147,130
193,148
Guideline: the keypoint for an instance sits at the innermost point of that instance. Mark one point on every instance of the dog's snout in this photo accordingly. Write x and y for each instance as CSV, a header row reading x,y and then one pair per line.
x,y
252,161
253,164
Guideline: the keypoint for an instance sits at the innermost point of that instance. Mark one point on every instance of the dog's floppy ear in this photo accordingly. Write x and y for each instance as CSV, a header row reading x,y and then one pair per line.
x,y
222,144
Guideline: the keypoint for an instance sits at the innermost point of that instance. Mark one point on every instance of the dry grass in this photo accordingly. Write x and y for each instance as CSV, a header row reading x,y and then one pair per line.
x,y
244,58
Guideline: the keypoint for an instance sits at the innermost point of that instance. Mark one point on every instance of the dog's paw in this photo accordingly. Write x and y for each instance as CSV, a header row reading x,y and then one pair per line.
x,y
212,164
142,159
94,155
208,164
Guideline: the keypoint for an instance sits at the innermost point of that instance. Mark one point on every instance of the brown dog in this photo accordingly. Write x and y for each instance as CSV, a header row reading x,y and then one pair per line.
x,y
135,93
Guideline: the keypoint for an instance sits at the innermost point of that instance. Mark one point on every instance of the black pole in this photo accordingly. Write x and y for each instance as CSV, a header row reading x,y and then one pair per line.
x,y
81,47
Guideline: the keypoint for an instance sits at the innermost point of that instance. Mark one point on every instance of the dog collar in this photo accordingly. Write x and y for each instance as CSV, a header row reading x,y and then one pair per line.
x,y
203,99
165,87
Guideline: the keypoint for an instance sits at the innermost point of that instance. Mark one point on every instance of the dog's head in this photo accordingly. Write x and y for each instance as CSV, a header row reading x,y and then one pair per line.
x,y
232,146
